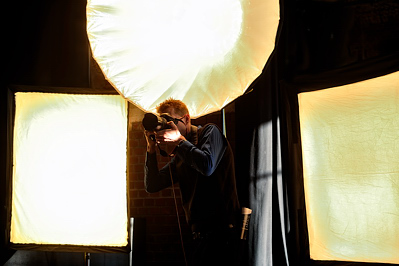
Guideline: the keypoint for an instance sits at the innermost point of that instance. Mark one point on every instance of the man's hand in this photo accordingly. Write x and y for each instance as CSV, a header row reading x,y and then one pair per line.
x,y
171,135
151,142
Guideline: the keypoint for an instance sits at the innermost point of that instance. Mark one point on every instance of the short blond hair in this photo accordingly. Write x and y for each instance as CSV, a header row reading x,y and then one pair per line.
x,y
177,105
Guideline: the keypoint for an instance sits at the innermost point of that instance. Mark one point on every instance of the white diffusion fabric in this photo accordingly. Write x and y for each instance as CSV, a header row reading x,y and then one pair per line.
x,y
69,175
350,144
203,52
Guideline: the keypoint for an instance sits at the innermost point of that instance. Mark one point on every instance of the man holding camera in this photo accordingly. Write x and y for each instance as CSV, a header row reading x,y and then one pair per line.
x,y
203,165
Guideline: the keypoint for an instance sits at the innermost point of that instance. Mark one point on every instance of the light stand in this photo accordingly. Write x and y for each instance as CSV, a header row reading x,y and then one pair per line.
x,y
87,258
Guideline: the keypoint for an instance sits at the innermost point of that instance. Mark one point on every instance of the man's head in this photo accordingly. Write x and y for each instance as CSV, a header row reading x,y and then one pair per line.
x,y
177,109
171,104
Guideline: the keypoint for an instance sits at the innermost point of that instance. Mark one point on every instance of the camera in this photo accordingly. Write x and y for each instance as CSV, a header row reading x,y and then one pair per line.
x,y
153,122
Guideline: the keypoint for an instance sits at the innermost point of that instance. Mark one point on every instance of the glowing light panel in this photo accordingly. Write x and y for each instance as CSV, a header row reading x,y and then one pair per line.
x,y
69,175
205,53
350,144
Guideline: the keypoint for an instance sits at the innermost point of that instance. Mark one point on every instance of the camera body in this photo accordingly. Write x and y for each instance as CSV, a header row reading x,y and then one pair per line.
x,y
153,122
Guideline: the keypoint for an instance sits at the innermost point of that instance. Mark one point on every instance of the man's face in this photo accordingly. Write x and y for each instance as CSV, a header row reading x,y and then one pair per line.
x,y
182,126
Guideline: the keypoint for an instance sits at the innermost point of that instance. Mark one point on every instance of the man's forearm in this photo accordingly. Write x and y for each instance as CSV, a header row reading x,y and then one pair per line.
x,y
154,180
205,158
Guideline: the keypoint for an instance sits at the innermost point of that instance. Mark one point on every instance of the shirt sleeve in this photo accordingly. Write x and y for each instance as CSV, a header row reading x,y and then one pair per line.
x,y
155,180
206,157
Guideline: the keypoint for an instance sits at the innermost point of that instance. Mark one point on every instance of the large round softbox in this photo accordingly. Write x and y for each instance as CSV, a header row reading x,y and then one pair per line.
x,y
203,52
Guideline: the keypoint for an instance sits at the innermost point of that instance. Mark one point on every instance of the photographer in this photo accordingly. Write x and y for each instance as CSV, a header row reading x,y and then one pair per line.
x,y
203,166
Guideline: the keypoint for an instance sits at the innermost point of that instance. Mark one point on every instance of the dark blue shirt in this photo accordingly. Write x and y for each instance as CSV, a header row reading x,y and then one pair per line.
x,y
204,168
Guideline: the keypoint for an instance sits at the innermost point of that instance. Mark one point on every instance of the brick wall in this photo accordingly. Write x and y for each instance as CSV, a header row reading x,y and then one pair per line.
x,y
162,238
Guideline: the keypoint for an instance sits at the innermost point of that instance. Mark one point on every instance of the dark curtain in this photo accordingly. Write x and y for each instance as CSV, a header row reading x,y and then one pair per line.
x,y
259,171
321,44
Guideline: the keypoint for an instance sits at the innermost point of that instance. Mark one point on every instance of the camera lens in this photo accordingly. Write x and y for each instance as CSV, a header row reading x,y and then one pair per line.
x,y
150,121
153,122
